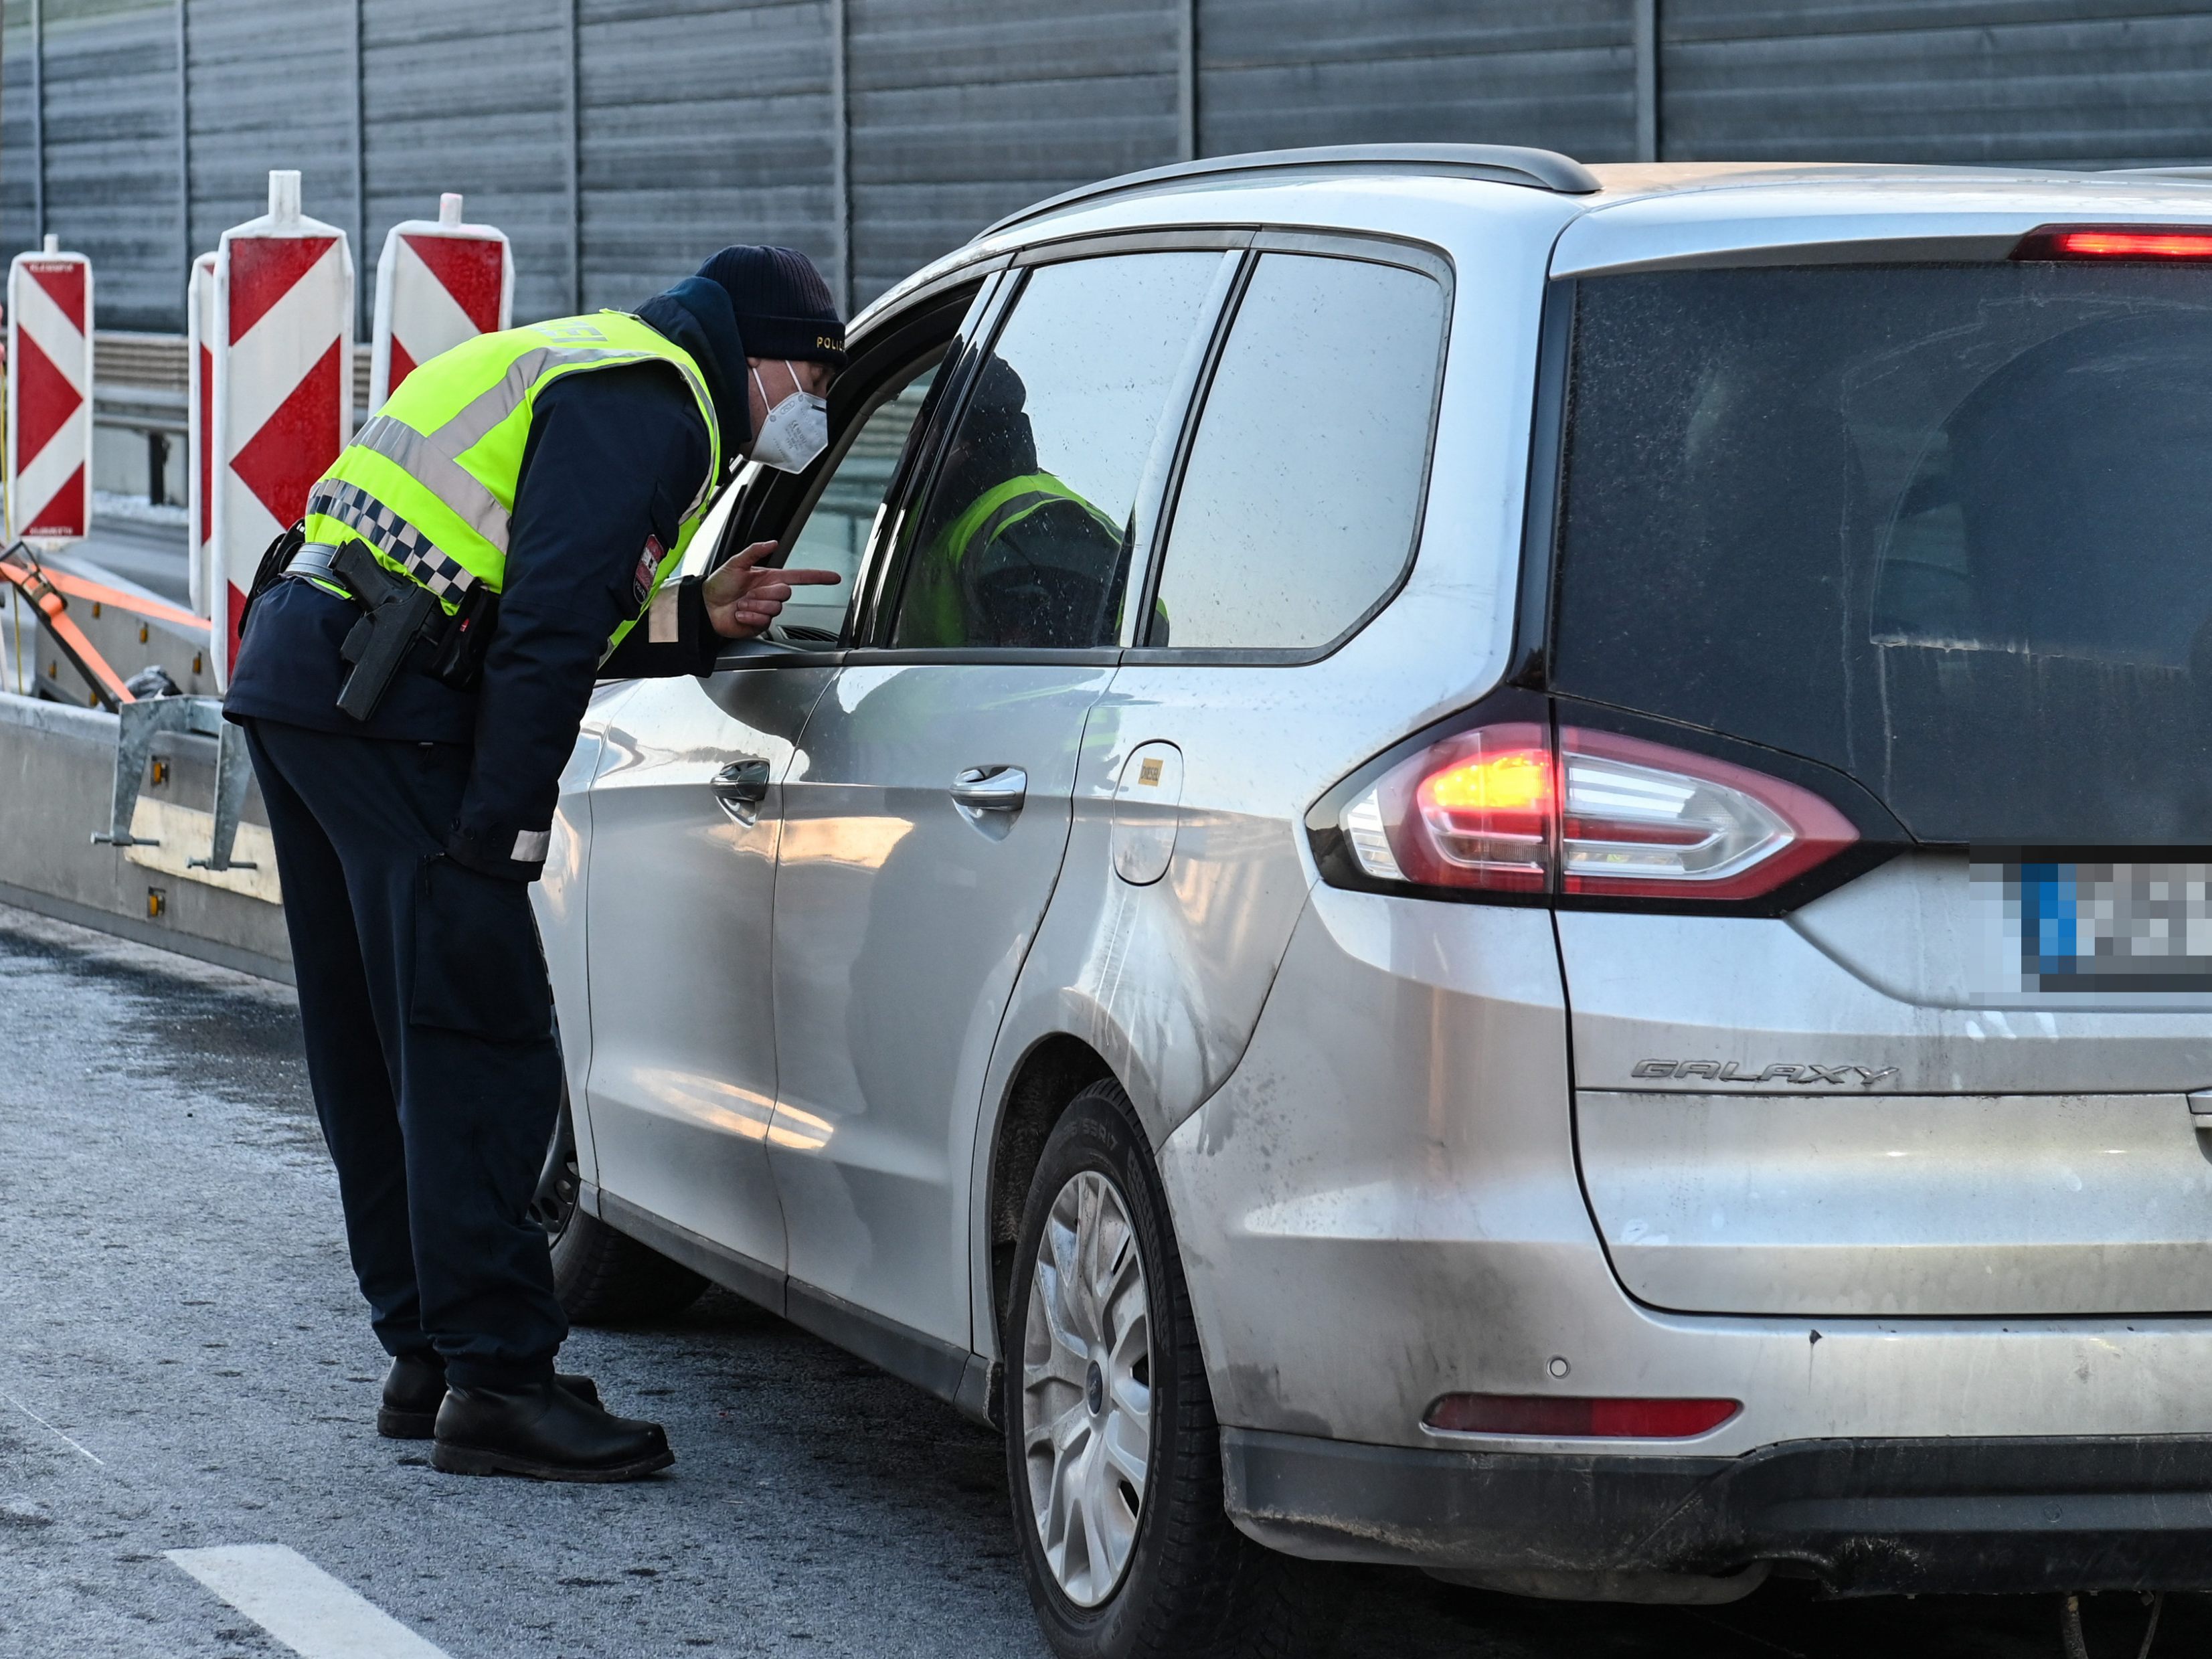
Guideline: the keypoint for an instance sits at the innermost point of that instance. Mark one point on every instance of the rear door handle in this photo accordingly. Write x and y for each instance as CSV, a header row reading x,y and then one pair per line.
x,y
992,788
741,786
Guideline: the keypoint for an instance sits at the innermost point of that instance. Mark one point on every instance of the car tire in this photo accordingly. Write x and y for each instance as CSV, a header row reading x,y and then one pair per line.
x,y
1169,1575
601,1276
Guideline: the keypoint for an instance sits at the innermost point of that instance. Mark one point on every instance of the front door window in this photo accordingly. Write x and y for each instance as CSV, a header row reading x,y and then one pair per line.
x,y
1026,540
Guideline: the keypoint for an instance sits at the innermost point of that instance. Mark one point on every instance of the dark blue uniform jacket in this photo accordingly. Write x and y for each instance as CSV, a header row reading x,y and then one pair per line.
x,y
614,457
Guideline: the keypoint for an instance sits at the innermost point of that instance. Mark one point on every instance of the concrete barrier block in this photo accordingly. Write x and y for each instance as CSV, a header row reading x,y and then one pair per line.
x,y
57,785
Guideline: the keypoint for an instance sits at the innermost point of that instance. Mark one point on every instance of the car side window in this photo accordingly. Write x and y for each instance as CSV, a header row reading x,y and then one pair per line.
x,y
1301,498
1026,537
837,527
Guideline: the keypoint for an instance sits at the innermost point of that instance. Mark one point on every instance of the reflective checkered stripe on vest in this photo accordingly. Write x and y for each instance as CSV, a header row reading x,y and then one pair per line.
x,y
429,483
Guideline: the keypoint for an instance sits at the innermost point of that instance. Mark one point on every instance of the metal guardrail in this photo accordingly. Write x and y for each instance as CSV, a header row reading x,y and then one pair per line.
x,y
141,382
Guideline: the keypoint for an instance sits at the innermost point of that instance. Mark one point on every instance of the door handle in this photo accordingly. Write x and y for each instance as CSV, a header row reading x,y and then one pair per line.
x,y
741,786
990,788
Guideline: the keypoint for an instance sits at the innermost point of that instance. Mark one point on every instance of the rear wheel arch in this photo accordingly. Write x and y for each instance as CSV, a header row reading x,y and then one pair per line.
x,y
1045,1081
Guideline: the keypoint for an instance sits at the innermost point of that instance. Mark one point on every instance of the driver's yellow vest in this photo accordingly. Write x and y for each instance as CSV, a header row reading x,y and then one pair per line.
x,y
428,483
934,600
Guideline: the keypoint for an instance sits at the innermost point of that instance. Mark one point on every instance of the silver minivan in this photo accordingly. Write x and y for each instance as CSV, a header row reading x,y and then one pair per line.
x,y
1491,866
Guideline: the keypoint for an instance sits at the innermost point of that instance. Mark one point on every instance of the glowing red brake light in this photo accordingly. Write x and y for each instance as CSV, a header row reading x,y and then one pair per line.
x,y
1557,1417
2144,242
1501,810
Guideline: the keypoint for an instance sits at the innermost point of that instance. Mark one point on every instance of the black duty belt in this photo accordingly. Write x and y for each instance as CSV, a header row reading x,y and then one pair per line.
x,y
314,561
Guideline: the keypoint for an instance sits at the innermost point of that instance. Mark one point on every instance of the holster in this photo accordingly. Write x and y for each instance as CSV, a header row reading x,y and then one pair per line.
x,y
399,615
395,613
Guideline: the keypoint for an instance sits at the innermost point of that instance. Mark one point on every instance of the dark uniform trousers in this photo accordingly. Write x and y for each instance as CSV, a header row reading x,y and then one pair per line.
x,y
430,1046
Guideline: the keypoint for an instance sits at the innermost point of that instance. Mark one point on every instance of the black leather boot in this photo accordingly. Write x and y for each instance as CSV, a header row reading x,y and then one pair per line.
x,y
544,1432
416,1383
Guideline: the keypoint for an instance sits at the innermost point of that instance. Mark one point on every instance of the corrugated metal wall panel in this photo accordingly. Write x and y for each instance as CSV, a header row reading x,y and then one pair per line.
x,y
434,121
111,185
1274,74
2090,83
271,85
706,121
17,231
702,124
964,111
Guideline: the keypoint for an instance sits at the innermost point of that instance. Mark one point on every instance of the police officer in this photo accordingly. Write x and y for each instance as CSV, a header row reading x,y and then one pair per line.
x,y
499,536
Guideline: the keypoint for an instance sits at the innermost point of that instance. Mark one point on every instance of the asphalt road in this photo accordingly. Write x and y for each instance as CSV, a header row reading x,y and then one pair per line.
x,y
183,1365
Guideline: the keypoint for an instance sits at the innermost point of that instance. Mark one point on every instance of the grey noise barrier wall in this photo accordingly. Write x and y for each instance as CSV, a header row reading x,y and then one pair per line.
x,y
56,785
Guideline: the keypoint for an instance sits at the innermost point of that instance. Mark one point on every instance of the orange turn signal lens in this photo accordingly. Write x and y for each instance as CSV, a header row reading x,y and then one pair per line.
x,y
1518,781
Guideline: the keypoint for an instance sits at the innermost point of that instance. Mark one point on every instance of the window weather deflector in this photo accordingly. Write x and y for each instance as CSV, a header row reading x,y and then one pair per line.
x,y
1204,239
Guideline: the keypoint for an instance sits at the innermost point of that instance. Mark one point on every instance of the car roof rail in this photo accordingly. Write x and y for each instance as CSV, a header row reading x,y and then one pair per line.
x,y
1503,164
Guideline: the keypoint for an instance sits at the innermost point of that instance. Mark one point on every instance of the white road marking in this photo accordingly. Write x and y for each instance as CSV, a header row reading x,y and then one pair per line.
x,y
300,1605
49,1428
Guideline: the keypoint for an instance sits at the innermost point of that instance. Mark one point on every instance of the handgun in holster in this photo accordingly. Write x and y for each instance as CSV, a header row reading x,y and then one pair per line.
x,y
396,614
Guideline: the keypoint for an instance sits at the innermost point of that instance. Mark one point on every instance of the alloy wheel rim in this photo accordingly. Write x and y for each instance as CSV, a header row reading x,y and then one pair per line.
x,y
1086,1388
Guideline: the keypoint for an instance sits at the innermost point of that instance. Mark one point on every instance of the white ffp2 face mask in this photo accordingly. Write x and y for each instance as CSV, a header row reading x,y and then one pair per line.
x,y
796,430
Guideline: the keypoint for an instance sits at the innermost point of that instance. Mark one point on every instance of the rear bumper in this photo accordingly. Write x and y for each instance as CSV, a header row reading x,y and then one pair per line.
x,y
1866,1516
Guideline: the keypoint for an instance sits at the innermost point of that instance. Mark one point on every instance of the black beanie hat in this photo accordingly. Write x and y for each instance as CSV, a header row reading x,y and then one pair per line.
x,y
782,305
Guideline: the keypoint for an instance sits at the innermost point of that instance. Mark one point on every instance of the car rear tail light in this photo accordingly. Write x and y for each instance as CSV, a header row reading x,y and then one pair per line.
x,y
1503,808
1478,809
1565,1418
2139,242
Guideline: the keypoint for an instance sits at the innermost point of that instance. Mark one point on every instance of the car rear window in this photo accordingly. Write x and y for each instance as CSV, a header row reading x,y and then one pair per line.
x,y
1948,529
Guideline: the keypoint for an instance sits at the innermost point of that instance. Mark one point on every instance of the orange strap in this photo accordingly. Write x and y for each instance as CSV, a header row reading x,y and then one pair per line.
x,y
138,605
37,586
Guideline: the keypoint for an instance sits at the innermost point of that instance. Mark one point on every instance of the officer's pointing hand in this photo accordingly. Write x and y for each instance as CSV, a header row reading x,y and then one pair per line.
x,y
742,598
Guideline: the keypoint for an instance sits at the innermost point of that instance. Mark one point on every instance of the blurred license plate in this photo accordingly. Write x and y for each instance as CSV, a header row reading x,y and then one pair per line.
x,y
2094,928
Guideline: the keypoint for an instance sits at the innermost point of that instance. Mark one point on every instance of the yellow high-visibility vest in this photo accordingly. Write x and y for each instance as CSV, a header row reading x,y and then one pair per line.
x,y
428,483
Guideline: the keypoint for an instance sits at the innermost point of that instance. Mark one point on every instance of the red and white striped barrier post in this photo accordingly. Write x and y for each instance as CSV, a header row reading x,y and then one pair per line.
x,y
200,427
282,387
49,396
439,283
